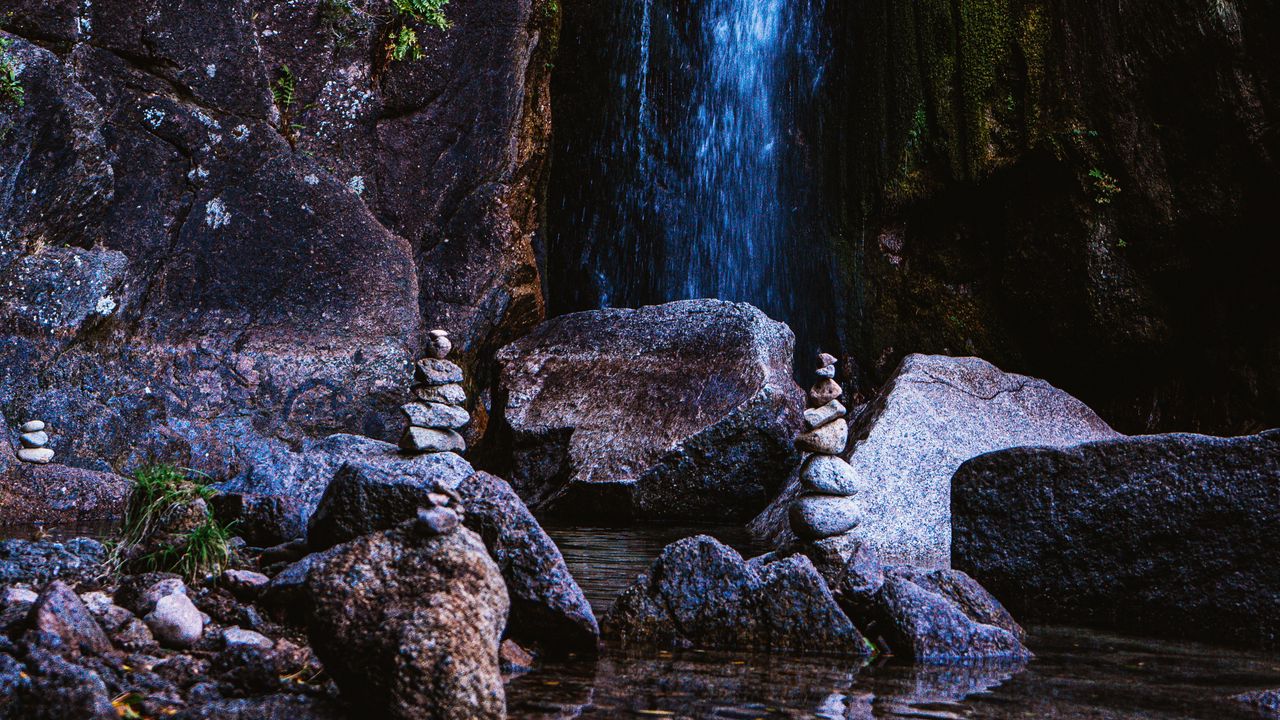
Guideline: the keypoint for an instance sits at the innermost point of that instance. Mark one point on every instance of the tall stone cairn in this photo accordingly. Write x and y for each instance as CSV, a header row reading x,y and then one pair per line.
x,y
438,410
826,506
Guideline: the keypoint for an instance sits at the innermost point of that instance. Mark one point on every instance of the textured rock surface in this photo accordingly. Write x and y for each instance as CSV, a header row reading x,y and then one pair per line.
x,y
936,413
702,594
36,563
685,410
54,493
195,271
1168,534
981,139
548,608
409,626
64,623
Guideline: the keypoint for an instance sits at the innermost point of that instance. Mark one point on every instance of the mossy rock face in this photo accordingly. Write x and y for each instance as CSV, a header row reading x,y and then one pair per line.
x,y
1041,183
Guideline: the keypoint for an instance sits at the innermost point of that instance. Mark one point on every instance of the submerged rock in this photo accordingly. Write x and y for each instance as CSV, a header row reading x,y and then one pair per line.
x,y
935,413
702,594
409,626
1173,535
685,410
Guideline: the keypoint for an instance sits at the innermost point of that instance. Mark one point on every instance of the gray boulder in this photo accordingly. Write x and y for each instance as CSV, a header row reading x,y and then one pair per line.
x,y
700,593
548,608
365,496
935,413
678,411
175,622
409,625
1171,535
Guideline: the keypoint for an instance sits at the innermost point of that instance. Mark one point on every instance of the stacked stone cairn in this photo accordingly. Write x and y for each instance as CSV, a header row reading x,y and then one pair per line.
x,y
826,506
34,439
437,412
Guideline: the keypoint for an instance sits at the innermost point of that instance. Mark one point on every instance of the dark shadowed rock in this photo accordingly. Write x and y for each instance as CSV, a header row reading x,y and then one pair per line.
x,y
1266,702
38,562
365,497
700,593
1172,535
933,415
548,608
60,690
684,410
61,622
409,626
271,707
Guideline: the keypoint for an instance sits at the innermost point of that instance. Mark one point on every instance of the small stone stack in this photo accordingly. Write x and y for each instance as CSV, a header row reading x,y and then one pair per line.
x,y
437,413
826,506
34,438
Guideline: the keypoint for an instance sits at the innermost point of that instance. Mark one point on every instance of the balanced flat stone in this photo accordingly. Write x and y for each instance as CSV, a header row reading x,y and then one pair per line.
x,y
39,456
817,417
36,439
32,426
435,415
829,439
451,394
827,372
823,392
427,440
830,475
434,371
826,359
814,517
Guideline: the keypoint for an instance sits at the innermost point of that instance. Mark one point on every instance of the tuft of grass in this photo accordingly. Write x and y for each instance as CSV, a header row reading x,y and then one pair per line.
x,y
159,493
11,90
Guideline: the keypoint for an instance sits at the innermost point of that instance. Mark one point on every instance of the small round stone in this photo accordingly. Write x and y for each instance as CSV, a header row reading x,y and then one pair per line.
x,y
36,439
829,475
814,517
440,347
436,521
32,426
451,394
237,637
176,622
829,439
827,372
39,456
815,418
823,392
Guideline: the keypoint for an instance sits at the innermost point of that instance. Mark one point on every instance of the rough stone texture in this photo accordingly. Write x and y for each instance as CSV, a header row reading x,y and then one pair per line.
x,y
187,275
548,608
366,497
61,621
175,622
700,593
928,626
61,690
1173,535
1266,702
304,476
271,707
814,517
38,562
685,410
936,413
54,493
409,627
970,130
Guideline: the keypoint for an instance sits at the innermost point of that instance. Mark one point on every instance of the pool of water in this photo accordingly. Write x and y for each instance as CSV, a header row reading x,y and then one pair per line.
x,y
1076,674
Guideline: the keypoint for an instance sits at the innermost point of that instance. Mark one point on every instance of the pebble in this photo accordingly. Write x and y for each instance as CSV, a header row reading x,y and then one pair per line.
x,y
829,475
825,359
36,439
440,347
19,596
829,439
32,426
823,392
237,637
244,583
814,517
427,440
39,456
451,394
817,417
175,622
436,521
436,415
827,372
432,371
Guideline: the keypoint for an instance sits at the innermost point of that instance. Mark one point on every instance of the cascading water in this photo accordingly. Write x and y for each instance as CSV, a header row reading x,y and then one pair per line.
x,y
685,158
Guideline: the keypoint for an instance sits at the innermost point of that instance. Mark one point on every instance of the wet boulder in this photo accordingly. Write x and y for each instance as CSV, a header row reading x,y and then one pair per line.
x,y
700,593
678,411
408,623
1170,535
548,608
935,413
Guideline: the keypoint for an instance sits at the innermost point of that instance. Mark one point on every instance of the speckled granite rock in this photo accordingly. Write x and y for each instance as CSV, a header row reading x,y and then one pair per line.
x,y
1172,535
684,410
933,415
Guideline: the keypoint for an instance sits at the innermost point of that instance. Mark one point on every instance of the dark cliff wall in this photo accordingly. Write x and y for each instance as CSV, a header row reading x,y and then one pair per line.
x,y
1082,191
192,266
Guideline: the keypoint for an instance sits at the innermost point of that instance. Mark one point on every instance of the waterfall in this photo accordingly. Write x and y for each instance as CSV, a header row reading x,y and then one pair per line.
x,y
686,168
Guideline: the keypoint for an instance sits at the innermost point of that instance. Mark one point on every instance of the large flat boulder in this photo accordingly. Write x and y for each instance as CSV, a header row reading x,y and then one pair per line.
x,y
1173,535
935,413
677,411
